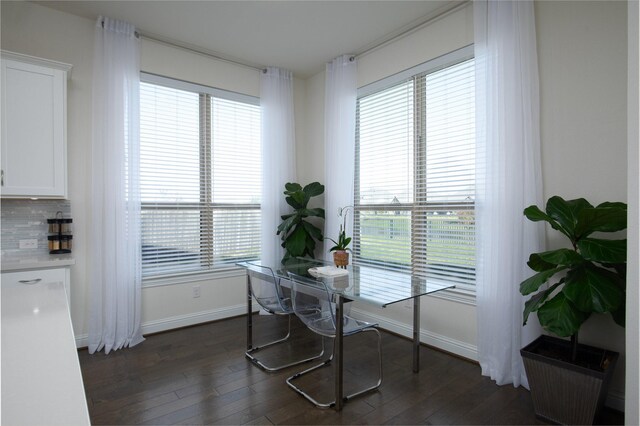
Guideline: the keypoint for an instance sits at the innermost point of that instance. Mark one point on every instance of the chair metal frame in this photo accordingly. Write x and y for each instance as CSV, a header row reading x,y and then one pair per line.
x,y
280,309
297,280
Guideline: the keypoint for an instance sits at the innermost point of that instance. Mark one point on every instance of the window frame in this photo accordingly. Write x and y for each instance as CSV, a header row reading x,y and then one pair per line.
x,y
462,293
206,206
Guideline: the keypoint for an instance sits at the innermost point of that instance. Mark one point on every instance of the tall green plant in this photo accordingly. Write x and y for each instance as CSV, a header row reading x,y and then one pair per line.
x,y
298,235
591,275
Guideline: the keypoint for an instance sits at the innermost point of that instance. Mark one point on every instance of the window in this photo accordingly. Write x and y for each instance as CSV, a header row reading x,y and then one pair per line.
x,y
415,171
200,177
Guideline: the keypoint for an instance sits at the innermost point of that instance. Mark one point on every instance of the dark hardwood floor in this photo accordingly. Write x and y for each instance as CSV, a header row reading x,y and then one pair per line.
x,y
199,375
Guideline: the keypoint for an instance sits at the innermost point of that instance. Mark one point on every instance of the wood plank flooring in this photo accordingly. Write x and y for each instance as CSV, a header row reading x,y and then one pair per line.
x,y
199,375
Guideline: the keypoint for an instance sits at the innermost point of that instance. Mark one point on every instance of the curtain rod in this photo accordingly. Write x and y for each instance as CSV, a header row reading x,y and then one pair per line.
x,y
135,33
199,50
262,68
427,20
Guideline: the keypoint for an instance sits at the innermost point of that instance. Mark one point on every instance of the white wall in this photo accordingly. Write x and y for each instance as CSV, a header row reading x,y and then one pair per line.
x,y
582,57
582,62
39,31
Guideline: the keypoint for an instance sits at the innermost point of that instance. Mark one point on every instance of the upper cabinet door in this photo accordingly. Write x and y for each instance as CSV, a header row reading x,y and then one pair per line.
x,y
34,116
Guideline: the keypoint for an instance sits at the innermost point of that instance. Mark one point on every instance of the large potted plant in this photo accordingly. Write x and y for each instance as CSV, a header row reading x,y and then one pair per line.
x,y
569,380
298,234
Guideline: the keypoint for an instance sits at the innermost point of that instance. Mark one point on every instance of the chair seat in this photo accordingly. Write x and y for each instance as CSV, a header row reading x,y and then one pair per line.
x,y
275,306
321,322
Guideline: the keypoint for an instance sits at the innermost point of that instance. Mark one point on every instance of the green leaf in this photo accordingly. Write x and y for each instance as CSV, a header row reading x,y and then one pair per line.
x,y
313,230
616,205
293,202
300,198
537,264
560,317
603,251
619,315
536,301
533,283
286,226
314,189
593,289
602,219
296,243
534,214
310,245
566,212
317,212
291,187
561,256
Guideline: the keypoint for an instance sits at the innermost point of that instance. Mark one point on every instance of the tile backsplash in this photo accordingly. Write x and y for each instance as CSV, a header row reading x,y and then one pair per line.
x,y
27,219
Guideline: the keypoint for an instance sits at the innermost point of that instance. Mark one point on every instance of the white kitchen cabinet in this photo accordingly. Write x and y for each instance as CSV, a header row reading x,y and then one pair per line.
x,y
38,276
34,121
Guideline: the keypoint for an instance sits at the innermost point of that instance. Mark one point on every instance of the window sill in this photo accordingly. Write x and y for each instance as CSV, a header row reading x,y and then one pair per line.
x,y
466,297
230,272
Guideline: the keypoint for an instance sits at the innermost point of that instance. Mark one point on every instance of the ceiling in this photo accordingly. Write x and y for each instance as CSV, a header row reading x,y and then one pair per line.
x,y
298,35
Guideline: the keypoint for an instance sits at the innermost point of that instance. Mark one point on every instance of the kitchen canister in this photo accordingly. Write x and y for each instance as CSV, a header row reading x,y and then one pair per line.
x,y
61,240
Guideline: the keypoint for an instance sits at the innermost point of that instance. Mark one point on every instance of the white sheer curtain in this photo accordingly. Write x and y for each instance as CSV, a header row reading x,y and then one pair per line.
x,y
278,155
339,143
509,179
115,256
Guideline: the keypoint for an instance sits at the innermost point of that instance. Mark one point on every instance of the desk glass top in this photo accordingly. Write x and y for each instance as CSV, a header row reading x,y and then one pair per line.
x,y
363,283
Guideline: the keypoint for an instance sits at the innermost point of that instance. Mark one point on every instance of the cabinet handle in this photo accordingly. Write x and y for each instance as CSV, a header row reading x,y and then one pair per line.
x,y
37,280
1,177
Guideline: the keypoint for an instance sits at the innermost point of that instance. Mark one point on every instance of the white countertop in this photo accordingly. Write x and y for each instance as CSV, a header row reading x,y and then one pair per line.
x,y
41,377
17,263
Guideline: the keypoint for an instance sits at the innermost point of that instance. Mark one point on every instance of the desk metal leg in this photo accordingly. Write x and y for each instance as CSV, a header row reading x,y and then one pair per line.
x,y
249,315
339,360
416,334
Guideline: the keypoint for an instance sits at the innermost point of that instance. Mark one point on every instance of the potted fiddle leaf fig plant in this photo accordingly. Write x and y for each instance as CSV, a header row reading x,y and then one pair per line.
x,y
298,234
568,380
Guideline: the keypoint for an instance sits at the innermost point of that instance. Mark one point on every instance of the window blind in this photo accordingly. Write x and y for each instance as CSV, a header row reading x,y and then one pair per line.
x,y
415,175
200,180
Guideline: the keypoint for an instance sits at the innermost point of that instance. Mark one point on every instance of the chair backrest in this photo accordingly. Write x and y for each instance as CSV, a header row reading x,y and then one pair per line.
x,y
312,304
267,291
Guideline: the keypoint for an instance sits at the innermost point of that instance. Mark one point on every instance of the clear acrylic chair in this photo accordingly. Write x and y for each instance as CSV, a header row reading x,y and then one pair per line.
x,y
312,304
266,290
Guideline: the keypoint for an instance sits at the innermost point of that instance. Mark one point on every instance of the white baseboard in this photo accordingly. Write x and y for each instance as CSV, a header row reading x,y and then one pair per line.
x,y
164,324
427,337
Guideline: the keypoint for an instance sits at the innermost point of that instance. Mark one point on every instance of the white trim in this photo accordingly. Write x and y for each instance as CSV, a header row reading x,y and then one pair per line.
x,y
193,277
466,297
170,323
457,347
430,66
198,88
39,61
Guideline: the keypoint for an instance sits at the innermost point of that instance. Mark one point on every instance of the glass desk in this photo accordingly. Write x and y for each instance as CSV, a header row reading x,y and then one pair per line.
x,y
363,284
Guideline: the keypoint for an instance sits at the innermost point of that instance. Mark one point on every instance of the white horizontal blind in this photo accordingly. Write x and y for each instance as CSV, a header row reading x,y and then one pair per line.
x,y
198,181
415,175
444,228
236,180
384,177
